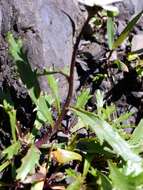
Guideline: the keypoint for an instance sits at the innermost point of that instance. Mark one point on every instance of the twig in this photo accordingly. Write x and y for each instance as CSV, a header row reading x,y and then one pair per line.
x,y
45,72
71,81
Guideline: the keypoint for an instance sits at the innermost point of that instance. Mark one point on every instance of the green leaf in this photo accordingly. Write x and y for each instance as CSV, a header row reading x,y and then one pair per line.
x,y
92,146
76,185
87,163
137,137
121,66
121,118
99,101
64,156
12,117
83,98
53,84
119,180
4,165
27,76
28,163
12,150
110,32
106,133
108,111
14,47
126,31
45,110
104,182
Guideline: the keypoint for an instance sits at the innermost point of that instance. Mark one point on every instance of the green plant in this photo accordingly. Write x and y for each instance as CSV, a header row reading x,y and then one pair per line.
x,y
107,159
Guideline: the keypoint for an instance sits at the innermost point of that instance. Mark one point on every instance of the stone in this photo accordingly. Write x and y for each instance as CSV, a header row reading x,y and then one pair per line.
x,y
47,29
137,42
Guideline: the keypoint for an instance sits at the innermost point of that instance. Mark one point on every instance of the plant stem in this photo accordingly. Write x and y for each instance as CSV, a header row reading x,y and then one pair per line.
x,y
71,81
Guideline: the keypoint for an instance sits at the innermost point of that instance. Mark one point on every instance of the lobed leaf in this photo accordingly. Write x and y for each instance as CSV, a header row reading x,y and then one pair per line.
x,y
105,132
12,150
83,98
27,76
121,181
28,163
43,108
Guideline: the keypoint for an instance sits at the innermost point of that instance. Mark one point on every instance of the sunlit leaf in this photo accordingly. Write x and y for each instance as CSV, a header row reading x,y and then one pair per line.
x,y
137,137
28,163
106,133
132,56
53,84
119,180
64,156
121,118
108,111
99,101
4,165
12,150
76,185
110,31
126,31
86,167
43,108
38,185
83,98
12,117
14,47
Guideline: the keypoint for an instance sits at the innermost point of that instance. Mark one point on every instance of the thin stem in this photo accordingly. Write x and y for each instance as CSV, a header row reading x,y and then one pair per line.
x,y
53,72
70,90
71,81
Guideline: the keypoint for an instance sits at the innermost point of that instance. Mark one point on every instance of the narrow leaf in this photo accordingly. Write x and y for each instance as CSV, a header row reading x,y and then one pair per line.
x,y
4,165
12,117
126,31
55,90
137,137
110,32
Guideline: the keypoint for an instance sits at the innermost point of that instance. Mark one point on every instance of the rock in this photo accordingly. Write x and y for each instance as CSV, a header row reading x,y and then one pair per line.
x,y
138,5
47,29
126,10
93,49
137,42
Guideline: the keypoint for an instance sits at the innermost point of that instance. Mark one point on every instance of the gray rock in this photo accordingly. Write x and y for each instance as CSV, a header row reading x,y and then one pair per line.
x,y
137,42
47,28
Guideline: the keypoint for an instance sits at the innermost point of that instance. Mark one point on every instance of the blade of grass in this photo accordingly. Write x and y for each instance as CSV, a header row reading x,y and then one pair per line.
x,y
126,31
